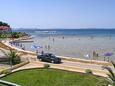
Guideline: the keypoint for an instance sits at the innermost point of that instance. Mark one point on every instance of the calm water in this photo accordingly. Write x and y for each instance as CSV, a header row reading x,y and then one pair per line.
x,y
74,42
70,32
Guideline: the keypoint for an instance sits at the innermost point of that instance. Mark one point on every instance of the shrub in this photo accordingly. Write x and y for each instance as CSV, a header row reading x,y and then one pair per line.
x,y
7,71
17,60
88,71
103,82
46,65
1,72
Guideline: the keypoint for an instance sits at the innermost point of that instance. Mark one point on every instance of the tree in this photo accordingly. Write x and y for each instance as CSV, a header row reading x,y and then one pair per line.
x,y
111,75
4,24
15,35
13,57
0,23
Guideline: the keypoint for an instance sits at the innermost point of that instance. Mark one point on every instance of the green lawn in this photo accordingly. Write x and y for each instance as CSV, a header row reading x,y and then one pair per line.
x,y
51,77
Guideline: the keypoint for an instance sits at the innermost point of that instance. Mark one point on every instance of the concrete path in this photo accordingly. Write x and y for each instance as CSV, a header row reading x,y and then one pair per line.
x,y
68,65
82,65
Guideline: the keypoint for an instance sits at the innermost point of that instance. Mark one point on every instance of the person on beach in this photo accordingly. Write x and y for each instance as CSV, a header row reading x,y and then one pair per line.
x,y
16,44
46,47
10,43
92,37
94,55
104,58
23,48
20,45
97,55
63,37
42,52
53,39
108,59
49,47
37,52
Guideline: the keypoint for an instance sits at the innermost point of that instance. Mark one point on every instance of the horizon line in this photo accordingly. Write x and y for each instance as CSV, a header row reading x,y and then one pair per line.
x,y
63,28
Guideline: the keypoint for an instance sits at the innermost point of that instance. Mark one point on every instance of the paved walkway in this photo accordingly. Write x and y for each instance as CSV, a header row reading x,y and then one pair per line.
x,y
68,65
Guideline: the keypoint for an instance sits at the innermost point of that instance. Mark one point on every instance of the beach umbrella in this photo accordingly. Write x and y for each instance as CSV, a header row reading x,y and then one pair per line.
x,y
108,54
36,46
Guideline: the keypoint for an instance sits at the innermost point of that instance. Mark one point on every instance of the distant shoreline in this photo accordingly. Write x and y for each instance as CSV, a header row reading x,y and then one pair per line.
x,y
15,29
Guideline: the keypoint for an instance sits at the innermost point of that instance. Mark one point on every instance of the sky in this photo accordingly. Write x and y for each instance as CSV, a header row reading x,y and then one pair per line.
x,y
67,14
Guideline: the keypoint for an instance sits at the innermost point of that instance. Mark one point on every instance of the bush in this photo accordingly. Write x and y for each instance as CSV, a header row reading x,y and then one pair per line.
x,y
17,60
1,72
88,71
103,82
7,71
46,65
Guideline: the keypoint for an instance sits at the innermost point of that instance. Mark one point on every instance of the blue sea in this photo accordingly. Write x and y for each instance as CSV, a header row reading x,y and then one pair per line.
x,y
76,43
70,32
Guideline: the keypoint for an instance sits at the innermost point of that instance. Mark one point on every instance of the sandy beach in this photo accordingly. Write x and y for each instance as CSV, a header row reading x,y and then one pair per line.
x,y
76,47
31,56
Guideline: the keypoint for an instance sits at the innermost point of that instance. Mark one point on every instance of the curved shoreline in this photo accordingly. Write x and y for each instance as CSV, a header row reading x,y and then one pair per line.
x,y
6,43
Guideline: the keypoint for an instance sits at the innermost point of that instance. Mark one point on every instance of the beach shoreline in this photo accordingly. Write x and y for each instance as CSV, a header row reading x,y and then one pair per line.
x,y
26,52
75,47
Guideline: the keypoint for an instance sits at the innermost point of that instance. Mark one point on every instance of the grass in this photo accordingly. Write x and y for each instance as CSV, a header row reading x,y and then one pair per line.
x,y
2,85
51,77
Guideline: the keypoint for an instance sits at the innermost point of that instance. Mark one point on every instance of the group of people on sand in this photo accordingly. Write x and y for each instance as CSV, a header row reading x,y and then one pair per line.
x,y
95,55
19,45
47,47
53,39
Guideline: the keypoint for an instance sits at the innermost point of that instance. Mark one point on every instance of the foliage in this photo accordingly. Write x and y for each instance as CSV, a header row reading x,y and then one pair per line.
x,y
4,24
13,57
102,82
9,33
3,36
51,77
7,71
13,35
88,71
18,34
111,74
